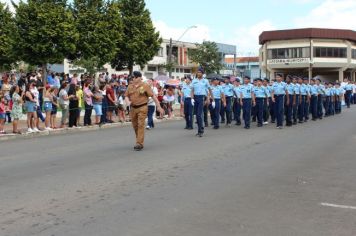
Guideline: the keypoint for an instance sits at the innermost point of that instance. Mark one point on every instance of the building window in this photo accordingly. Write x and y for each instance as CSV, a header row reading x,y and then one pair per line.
x,y
288,53
353,53
160,52
330,52
152,68
187,71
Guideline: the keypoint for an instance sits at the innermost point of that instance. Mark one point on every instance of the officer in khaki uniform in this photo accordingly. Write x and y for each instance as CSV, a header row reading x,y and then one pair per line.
x,y
137,95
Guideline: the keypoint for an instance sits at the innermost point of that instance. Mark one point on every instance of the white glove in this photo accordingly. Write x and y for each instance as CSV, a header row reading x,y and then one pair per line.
x,y
193,102
213,105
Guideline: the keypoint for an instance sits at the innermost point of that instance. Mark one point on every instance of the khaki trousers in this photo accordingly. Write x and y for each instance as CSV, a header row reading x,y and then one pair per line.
x,y
138,118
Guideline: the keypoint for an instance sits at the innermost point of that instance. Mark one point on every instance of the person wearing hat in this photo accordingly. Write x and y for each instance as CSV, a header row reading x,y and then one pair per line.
x,y
267,102
314,99
321,93
201,94
247,100
187,101
297,99
219,99
307,101
260,95
237,104
279,92
229,93
137,96
291,98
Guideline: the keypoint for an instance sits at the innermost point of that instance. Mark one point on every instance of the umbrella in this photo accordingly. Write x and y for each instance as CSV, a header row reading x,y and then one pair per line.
x,y
212,76
173,82
163,78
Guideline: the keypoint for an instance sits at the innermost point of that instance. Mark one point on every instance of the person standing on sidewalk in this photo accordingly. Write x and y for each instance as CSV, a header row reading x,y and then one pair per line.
x,y
151,106
88,103
136,96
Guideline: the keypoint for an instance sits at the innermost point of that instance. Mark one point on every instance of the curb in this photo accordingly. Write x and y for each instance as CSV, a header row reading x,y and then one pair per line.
x,y
8,137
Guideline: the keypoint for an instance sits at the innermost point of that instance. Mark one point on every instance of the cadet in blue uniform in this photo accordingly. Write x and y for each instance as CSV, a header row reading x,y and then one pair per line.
x,y
321,93
297,99
187,100
237,104
260,95
291,98
267,102
338,96
246,101
229,93
332,99
200,91
279,91
348,93
307,102
314,99
303,99
327,99
253,109
218,93
271,104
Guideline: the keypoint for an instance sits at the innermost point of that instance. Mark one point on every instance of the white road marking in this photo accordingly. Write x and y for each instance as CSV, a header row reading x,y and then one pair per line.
x,y
338,206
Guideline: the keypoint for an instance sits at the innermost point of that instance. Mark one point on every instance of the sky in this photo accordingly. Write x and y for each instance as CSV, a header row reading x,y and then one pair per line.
x,y
240,22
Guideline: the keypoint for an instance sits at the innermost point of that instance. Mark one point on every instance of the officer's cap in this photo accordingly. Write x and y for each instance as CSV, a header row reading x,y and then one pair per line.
x,y
201,70
237,80
137,74
305,78
215,78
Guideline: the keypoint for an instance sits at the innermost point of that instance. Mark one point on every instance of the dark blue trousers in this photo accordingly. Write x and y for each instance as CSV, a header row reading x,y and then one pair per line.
x,y
271,110
289,111
337,105
265,110
188,112
314,106
227,109
301,107
320,106
327,105
306,109
295,108
216,113
348,95
246,107
198,108
331,107
259,110
237,111
279,109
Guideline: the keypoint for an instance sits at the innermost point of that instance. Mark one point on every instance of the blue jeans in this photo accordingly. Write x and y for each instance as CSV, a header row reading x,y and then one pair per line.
x,y
279,109
188,112
198,108
151,111
104,110
246,107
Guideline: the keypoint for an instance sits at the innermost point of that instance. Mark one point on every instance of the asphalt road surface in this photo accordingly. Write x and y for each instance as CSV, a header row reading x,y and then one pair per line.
x,y
295,181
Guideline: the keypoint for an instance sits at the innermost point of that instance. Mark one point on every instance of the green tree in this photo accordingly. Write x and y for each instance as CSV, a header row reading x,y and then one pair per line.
x,y
46,32
140,40
7,39
207,56
100,31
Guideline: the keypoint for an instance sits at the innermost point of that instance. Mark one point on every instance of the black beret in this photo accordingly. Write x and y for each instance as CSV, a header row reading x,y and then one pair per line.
x,y
247,77
267,80
279,75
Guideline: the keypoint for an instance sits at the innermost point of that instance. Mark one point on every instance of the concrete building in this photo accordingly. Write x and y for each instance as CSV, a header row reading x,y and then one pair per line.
x,y
249,66
327,53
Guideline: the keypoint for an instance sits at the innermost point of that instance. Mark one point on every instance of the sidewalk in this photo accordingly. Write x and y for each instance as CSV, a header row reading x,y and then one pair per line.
x,y
23,127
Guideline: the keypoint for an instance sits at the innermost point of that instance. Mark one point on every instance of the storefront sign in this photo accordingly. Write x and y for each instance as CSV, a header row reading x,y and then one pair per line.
x,y
289,61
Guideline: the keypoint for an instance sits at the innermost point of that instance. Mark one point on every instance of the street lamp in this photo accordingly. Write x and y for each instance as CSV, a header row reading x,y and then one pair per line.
x,y
171,47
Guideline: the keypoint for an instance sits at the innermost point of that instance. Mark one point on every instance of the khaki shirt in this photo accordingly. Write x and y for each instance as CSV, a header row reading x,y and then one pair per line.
x,y
139,95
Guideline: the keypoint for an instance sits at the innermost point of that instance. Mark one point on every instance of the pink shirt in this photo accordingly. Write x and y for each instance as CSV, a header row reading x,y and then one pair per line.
x,y
88,96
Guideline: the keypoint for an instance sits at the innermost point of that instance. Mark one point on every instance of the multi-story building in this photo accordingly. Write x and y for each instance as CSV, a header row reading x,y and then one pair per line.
x,y
249,66
327,53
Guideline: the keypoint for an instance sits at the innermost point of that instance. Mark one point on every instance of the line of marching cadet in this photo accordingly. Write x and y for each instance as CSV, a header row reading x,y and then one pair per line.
x,y
292,99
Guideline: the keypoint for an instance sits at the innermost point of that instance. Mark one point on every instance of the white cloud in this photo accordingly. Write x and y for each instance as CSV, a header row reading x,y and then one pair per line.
x,y
195,35
330,14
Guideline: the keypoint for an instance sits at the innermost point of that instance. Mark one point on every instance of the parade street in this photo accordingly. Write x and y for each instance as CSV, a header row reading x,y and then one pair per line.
x,y
262,181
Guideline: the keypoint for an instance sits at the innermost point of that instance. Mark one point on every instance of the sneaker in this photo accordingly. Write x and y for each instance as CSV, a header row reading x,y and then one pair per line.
x,y
265,123
48,129
36,130
148,128
29,130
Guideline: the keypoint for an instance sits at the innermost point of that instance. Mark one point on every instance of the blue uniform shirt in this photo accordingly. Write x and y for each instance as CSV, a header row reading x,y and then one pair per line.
x,y
246,90
321,89
228,90
279,88
303,90
332,91
328,92
313,89
260,92
268,91
186,90
237,91
290,88
297,89
200,86
217,91
349,87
